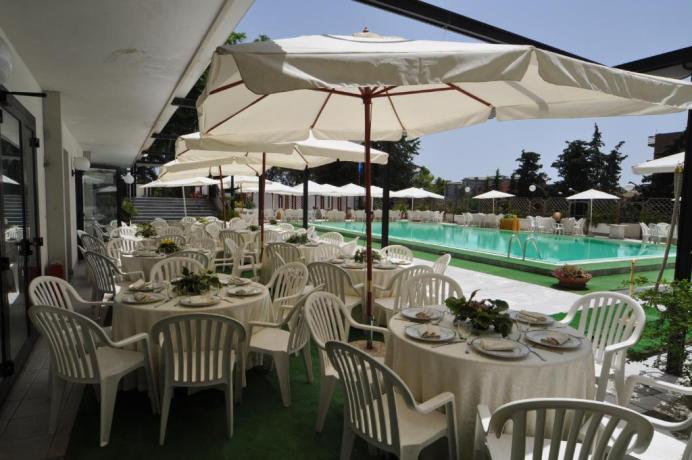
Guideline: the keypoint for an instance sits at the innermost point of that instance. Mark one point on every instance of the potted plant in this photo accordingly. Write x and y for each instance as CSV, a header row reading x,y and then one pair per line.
x,y
167,246
146,230
298,238
195,283
509,222
360,256
572,277
481,313
129,209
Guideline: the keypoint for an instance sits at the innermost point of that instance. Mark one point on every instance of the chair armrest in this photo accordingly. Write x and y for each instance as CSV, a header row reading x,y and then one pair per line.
x,y
357,286
435,402
483,417
128,275
381,288
660,384
621,345
366,327
95,302
142,336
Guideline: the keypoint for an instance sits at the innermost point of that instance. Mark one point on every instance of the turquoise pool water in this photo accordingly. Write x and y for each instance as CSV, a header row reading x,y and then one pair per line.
x,y
553,249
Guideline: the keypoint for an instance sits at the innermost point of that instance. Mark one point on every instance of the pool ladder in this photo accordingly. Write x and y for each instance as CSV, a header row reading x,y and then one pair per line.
x,y
530,239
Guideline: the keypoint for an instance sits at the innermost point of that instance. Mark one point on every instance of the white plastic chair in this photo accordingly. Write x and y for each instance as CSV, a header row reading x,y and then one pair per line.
x,y
188,220
397,251
613,323
332,238
380,408
171,268
200,350
237,223
93,244
646,233
287,252
286,227
441,264
662,445
81,352
286,287
397,287
350,248
272,338
105,275
325,252
583,430
117,246
213,230
178,240
195,255
431,289
170,231
124,231
329,319
336,280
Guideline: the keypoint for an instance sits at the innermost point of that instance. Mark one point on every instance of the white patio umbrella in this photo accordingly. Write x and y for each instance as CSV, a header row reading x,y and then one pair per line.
x,y
107,189
493,195
187,182
7,180
367,87
590,195
666,164
415,193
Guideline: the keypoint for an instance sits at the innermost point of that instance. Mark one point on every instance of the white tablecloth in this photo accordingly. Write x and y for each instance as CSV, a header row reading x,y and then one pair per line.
x,y
475,379
131,319
130,263
379,278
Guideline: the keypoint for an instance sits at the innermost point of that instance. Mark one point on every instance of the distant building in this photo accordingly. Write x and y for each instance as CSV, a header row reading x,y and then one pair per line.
x,y
455,190
663,142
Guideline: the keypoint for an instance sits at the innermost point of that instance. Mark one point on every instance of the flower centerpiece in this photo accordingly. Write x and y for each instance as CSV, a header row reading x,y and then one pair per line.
x,y
481,313
571,276
361,256
195,283
298,238
253,228
202,220
146,230
272,221
168,246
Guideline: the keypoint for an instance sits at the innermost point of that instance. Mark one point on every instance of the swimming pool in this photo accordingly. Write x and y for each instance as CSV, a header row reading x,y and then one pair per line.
x,y
548,248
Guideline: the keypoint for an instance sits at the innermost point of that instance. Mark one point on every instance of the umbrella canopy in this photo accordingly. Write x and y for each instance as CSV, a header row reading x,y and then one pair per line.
x,y
185,182
273,187
351,190
660,165
193,169
493,195
107,189
317,189
593,194
7,180
416,193
242,181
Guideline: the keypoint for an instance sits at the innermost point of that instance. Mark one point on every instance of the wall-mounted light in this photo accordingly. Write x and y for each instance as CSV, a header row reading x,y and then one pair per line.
x,y
532,188
80,164
128,178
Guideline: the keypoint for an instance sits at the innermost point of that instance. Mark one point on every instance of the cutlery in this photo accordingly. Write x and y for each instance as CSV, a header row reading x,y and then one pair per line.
x,y
535,353
451,342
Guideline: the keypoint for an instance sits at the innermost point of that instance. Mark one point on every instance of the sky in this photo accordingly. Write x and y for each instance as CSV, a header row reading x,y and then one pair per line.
x,y
610,32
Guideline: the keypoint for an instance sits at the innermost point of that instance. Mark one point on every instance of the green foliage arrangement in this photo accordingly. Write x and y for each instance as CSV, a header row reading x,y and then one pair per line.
x,y
572,271
129,209
195,283
361,256
167,246
272,221
482,313
146,230
202,220
298,238
253,228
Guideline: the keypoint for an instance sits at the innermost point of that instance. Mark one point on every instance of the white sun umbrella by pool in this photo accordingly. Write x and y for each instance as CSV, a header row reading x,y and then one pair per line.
x,y
7,180
591,195
493,195
415,193
107,189
666,164
368,87
186,182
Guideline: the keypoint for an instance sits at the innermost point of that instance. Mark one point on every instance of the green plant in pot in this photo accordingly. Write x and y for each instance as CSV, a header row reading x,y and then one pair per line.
x,y
481,313
168,246
572,277
360,256
195,283
146,230
129,209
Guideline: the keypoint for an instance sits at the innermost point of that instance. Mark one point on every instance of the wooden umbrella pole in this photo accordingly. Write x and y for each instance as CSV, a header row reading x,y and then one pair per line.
x,y
223,199
260,214
367,104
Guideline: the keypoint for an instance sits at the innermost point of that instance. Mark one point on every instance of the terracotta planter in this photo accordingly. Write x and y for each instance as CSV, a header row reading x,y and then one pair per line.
x,y
573,283
509,224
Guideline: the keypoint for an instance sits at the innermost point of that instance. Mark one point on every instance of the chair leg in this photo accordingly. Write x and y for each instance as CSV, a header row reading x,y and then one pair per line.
x,y
327,386
347,439
165,408
152,389
281,363
57,391
229,406
109,392
307,359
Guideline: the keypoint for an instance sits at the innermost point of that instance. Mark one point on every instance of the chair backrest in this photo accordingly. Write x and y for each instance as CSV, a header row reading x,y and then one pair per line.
x,y
103,272
170,231
334,279
645,230
441,264
607,318
400,283
588,426
431,289
333,238
370,392
273,236
195,255
188,220
207,244
117,246
327,252
396,251
124,231
289,280
213,230
172,267
49,290
286,227
237,238
94,245
349,249
287,251
179,240
327,318
196,347
237,223
72,340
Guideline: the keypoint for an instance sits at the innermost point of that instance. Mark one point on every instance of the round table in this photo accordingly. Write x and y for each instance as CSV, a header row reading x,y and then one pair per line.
x,y
380,277
130,319
131,263
476,379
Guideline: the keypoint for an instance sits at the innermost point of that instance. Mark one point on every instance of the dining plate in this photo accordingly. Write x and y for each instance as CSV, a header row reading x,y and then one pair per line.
x,y
538,338
544,321
143,298
519,351
311,245
400,262
337,261
353,265
416,332
421,313
198,301
386,266
240,291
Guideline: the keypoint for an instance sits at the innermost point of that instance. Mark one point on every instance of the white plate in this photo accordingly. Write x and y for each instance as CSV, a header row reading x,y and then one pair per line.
x,y
386,266
400,262
415,330
198,301
537,336
353,265
337,261
244,291
514,314
149,298
520,350
411,313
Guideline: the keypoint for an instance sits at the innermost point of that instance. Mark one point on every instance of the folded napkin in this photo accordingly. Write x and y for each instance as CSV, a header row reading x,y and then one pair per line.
x,y
429,332
531,316
497,345
139,284
424,314
141,297
555,338
198,300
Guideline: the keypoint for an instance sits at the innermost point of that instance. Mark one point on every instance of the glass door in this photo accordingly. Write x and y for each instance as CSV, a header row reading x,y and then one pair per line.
x,y
19,256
